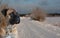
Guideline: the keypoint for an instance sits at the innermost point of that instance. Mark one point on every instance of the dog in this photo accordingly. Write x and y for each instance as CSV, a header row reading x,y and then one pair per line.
x,y
9,17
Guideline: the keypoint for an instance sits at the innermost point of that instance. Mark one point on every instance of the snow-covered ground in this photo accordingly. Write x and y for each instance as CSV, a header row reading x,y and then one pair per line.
x,y
33,29
53,19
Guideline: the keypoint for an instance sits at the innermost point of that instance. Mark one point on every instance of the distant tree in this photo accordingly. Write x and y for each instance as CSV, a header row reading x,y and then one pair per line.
x,y
38,14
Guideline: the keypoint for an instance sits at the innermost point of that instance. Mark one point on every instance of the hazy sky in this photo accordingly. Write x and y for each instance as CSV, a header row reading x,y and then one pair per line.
x,y
28,4
49,3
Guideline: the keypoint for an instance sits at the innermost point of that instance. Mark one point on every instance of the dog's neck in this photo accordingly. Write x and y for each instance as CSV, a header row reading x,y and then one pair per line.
x,y
10,27
9,30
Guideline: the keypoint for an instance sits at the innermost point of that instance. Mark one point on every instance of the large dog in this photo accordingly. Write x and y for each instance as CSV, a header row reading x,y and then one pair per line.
x,y
8,17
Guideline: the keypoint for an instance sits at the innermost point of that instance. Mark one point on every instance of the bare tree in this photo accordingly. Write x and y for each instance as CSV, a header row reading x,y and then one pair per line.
x,y
38,14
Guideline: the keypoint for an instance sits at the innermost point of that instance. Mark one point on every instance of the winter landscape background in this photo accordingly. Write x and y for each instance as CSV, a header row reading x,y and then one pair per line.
x,y
28,28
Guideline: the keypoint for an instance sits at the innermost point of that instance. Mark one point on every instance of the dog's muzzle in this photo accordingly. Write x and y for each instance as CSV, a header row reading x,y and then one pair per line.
x,y
17,19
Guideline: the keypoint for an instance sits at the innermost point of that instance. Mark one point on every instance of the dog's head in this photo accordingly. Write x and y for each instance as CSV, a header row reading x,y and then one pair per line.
x,y
12,15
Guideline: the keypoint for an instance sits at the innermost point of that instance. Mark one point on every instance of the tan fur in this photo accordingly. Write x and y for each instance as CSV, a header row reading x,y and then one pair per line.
x,y
4,22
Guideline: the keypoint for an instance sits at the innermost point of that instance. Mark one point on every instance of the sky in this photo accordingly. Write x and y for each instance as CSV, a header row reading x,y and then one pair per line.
x,y
26,5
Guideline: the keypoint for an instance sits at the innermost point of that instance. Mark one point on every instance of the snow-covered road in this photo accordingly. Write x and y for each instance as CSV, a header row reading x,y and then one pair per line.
x,y
33,29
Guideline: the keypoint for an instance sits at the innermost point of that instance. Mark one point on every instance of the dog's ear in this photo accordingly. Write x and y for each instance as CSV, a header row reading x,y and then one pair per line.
x,y
4,12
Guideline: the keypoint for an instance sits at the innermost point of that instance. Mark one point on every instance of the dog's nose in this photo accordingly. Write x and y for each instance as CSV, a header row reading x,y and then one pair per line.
x,y
17,20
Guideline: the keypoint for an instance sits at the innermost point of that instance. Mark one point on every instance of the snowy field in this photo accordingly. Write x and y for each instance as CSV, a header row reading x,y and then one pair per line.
x,y
33,29
53,19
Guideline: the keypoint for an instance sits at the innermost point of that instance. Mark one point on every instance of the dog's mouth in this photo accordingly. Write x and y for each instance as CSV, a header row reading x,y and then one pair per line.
x,y
14,21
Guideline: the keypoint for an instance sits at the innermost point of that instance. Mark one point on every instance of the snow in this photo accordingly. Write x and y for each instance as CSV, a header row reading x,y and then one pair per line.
x,y
34,29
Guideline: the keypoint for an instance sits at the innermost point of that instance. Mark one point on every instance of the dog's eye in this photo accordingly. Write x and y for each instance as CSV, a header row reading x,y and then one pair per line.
x,y
11,14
